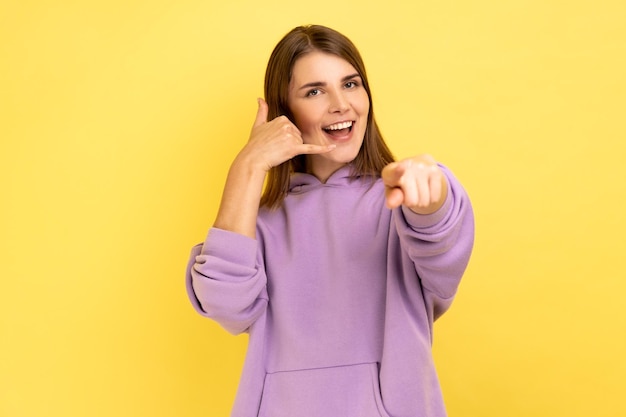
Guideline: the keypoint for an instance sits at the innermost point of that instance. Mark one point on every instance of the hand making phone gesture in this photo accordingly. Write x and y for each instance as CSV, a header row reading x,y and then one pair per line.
x,y
270,144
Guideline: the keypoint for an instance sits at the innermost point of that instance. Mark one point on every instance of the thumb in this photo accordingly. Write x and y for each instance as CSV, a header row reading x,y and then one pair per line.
x,y
261,115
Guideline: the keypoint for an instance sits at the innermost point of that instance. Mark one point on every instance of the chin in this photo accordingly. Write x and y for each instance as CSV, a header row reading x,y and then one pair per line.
x,y
344,156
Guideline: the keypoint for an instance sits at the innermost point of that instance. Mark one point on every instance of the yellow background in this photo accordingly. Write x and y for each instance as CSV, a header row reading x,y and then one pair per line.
x,y
118,120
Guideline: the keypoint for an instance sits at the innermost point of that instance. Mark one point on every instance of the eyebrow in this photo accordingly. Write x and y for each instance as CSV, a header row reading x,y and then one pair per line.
x,y
322,84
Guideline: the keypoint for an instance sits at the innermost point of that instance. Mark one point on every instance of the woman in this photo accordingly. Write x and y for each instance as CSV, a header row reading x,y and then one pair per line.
x,y
338,269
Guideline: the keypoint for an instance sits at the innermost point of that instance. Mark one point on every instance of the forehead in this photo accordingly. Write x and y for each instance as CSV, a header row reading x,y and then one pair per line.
x,y
320,66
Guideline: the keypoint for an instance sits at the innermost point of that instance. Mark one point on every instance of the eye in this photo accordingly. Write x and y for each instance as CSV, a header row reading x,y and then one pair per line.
x,y
351,84
313,92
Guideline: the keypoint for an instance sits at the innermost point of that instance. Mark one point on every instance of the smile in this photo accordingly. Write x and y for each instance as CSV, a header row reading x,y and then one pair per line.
x,y
339,130
339,126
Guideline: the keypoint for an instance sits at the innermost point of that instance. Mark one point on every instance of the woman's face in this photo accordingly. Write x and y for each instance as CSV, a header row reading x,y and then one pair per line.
x,y
329,106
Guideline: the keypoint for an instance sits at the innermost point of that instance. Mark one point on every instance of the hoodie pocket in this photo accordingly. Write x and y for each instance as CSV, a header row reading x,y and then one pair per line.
x,y
341,391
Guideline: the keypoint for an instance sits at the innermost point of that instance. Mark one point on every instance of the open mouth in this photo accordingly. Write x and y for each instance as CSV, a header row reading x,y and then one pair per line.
x,y
339,129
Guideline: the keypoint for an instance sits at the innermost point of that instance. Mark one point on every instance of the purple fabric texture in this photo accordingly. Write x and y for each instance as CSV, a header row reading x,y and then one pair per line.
x,y
338,295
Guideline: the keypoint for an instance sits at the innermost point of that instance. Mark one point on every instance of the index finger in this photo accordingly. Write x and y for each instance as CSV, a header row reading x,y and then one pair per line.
x,y
393,172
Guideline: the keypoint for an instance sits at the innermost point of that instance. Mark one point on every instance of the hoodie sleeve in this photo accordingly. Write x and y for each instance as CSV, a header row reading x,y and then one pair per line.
x,y
226,280
439,244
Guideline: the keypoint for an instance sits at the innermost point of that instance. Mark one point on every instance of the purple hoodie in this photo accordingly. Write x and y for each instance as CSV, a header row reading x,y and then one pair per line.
x,y
339,295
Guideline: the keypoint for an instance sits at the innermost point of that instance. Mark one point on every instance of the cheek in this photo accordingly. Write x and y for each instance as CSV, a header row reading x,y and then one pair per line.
x,y
301,118
307,128
365,105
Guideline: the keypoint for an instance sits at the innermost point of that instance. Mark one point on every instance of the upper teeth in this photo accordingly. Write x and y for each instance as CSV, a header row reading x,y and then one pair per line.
x,y
338,126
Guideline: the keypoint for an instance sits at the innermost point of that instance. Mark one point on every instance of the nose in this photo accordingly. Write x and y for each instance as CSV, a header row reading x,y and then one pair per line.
x,y
338,103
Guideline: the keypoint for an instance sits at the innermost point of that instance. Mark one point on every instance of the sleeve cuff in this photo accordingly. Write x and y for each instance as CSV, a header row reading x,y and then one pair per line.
x,y
230,246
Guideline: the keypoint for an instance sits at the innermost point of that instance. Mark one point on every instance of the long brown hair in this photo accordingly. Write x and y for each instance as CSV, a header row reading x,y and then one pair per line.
x,y
374,153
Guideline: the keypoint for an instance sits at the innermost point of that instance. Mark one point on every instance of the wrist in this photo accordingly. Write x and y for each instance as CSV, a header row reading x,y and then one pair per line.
x,y
248,166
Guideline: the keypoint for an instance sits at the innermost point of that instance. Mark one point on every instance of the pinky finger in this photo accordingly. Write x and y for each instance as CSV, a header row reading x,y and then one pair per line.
x,y
308,149
436,183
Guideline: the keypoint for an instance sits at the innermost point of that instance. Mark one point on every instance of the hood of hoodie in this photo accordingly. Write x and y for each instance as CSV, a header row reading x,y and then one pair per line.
x,y
301,182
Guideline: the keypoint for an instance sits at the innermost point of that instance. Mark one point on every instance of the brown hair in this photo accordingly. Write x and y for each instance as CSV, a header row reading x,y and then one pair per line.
x,y
374,153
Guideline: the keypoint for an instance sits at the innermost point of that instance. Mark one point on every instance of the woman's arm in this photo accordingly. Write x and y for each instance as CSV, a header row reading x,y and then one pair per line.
x,y
439,243
225,276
